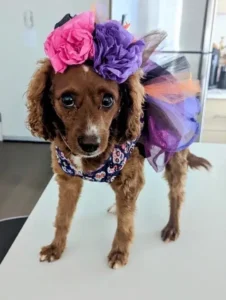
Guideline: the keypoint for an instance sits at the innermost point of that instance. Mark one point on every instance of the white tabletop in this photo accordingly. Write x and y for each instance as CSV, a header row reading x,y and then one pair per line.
x,y
216,94
192,268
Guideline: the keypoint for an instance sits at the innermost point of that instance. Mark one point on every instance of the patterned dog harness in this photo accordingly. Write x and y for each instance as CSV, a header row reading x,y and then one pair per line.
x,y
108,171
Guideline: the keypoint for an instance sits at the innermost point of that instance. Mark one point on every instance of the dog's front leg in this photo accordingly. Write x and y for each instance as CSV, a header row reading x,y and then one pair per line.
x,y
127,187
69,192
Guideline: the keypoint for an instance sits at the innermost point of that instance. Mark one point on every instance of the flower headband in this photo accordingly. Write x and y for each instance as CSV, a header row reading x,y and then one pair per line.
x,y
112,49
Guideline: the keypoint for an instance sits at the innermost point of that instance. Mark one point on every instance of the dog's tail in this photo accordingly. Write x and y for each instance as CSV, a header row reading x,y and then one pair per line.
x,y
195,162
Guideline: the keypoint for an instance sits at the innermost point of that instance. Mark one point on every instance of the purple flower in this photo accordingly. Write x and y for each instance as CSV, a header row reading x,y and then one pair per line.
x,y
117,55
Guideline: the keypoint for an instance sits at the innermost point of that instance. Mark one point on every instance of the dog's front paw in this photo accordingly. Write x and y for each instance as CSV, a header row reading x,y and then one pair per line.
x,y
170,233
50,253
117,259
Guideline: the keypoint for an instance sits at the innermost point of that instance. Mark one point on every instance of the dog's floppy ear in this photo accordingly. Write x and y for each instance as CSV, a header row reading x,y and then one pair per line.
x,y
42,118
132,98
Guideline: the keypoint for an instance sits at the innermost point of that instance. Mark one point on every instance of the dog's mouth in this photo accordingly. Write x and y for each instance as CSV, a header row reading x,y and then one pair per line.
x,y
90,151
90,155
85,149
91,146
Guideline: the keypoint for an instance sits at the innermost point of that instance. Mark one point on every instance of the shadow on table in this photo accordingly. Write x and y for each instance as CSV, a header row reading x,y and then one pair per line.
x,y
9,230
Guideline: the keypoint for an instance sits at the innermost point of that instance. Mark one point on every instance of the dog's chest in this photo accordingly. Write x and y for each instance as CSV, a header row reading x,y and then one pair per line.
x,y
77,161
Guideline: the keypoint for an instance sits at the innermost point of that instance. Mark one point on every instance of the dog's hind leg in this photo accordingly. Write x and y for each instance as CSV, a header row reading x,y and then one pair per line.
x,y
175,174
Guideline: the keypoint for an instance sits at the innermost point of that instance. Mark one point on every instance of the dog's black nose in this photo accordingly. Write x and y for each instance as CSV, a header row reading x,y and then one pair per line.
x,y
88,143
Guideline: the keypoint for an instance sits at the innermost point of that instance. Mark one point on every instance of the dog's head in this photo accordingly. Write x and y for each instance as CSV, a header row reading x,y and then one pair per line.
x,y
84,109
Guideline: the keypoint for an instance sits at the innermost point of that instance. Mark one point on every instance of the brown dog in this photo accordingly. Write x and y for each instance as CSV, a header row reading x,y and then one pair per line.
x,y
85,116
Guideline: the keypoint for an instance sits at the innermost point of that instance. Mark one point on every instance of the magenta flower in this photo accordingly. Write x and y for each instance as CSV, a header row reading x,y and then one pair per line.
x,y
71,43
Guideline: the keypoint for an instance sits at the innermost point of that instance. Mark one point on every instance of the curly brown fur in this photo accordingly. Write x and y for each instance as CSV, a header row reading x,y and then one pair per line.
x,y
69,192
175,174
42,118
35,96
127,187
196,162
48,118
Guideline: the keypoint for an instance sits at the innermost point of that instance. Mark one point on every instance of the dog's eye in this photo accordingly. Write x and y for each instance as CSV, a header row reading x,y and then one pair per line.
x,y
68,100
107,101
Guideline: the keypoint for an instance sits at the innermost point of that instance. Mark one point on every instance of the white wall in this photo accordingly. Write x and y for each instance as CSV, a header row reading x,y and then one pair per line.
x,y
181,19
219,28
128,7
18,60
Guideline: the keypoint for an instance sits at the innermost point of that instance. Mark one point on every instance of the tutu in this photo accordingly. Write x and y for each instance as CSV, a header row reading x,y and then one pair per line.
x,y
170,111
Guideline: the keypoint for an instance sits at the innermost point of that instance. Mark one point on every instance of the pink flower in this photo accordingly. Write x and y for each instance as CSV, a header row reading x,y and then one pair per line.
x,y
71,43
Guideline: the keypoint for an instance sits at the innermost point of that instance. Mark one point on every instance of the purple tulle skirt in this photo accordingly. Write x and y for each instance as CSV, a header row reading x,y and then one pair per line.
x,y
170,126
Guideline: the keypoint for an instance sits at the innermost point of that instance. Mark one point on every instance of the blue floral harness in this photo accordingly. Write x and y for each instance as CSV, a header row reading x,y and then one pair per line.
x,y
108,171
